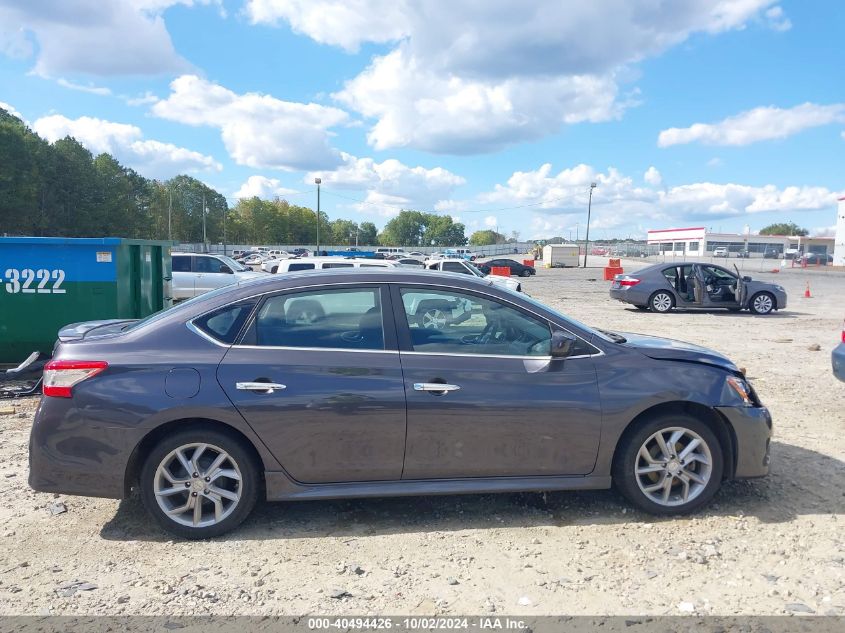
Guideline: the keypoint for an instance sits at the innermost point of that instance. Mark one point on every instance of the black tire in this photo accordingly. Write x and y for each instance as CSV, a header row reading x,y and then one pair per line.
x,y
661,302
242,457
762,303
274,270
628,454
525,273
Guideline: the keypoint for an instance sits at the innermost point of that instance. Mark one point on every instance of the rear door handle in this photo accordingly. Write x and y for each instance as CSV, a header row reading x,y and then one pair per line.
x,y
264,387
435,386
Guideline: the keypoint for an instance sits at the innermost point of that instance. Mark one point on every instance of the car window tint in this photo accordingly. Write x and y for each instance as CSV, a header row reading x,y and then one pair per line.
x,y
206,264
338,265
455,267
181,263
340,319
300,266
224,324
718,272
458,323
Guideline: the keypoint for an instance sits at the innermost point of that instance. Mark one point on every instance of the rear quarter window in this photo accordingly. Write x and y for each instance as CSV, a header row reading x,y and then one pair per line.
x,y
224,324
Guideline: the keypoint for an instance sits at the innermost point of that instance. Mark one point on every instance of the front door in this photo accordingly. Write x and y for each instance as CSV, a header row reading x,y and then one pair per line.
x,y
484,397
318,377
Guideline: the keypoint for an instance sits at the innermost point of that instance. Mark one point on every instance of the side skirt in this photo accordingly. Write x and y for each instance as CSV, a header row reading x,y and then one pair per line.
x,y
280,487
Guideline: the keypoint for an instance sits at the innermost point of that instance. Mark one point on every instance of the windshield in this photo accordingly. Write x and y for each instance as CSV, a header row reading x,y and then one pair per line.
x,y
231,263
610,337
473,269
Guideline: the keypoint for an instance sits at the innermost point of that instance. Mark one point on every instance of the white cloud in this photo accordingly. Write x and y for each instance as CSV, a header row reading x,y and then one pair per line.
x,y
390,184
262,187
714,162
554,202
652,176
759,124
11,110
96,37
466,76
91,89
126,143
258,130
776,19
491,222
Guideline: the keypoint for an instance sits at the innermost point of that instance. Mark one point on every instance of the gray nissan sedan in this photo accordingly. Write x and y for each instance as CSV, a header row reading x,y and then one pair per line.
x,y
661,287
371,382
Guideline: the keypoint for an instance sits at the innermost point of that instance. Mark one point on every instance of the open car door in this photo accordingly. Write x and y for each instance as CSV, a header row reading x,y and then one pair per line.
x,y
699,289
741,291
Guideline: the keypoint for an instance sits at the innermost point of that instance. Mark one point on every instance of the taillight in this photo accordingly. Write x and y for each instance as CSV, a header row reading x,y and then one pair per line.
x,y
628,281
843,332
60,376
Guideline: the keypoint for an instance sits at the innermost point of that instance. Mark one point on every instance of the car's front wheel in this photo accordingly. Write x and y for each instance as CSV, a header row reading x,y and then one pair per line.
x,y
762,303
199,483
525,273
661,301
672,464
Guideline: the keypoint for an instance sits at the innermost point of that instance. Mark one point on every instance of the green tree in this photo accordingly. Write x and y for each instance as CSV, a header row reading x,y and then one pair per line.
x,y
486,237
406,229
784,228
440,230
368,234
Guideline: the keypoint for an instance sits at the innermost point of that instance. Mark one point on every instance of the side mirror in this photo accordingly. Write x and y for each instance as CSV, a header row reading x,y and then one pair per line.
x,y
746,278
225,269
561,343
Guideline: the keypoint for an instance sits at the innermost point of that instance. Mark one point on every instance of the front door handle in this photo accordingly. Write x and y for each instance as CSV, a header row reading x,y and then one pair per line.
x,y
263,387
437,387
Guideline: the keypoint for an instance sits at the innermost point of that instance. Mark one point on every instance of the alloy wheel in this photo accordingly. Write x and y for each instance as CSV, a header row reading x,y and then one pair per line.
x,y
661,302
434,319
197,485
673,466
762,304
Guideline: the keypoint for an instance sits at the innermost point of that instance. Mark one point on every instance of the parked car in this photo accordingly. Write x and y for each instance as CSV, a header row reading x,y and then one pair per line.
x,y
328,384
743,254
720,251
662,287
463,267
271,265
385,251
837,357
772,253
301,252
816,259
196,273
411,261
517,268
327,262
416,254
460,253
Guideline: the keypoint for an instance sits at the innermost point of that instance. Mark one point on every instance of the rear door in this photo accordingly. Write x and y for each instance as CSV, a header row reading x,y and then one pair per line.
x,y
183,277
317,376
741,289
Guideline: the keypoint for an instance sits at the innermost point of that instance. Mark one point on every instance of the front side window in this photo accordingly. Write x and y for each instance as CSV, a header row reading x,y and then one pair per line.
x,y
443,321
300,266
335,319
207,264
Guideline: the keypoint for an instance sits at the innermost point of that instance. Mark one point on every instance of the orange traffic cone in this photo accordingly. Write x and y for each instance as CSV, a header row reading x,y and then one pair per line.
x,y
807,294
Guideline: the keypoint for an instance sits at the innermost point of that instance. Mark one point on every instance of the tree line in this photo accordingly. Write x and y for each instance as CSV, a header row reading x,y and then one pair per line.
x,y
61,189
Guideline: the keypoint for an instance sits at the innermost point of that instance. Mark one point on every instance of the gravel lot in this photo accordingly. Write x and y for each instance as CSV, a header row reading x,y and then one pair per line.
x,y
768,546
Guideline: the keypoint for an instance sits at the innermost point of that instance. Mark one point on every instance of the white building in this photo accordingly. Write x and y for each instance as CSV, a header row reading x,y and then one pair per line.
x,y
699,242
839,240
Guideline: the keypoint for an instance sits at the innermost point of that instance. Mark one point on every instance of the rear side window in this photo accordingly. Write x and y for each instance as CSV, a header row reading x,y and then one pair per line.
x,y
181,263
334,265
300,266
455,267
224,324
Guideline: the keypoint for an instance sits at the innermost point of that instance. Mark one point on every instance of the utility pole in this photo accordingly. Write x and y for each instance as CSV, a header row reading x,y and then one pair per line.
x,y
203,222
589,209
170,215
317,181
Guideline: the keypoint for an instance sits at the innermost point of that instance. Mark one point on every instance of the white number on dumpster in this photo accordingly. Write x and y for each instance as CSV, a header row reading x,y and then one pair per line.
x,y
20,281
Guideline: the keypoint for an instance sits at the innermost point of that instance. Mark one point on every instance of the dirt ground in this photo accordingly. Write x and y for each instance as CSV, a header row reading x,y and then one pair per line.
x,y
769,546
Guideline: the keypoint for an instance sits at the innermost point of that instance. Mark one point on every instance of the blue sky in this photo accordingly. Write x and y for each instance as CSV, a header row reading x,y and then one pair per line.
x,y
714,113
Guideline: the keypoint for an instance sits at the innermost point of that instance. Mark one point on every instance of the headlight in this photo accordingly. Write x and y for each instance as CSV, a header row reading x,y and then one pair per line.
x,y
742,389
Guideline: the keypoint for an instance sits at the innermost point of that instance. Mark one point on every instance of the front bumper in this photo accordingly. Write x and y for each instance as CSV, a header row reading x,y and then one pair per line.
x,y
837,359
752,427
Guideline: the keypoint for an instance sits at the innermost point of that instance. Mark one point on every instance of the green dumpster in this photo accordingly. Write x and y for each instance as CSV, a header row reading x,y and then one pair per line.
x,y
46,283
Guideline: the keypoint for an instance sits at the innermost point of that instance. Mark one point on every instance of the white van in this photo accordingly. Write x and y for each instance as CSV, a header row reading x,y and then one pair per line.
x,y
391,250
324,263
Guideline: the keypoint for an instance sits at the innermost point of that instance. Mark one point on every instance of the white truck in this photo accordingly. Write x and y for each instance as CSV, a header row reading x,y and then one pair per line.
x,y
561,255
465,268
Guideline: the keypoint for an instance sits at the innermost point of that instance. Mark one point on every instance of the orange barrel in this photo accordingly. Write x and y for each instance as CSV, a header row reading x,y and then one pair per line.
x,y
614,263
528,262
611,271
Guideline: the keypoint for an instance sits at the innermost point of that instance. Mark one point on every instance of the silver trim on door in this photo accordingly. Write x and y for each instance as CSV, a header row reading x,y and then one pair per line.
x,y
437,387
265,387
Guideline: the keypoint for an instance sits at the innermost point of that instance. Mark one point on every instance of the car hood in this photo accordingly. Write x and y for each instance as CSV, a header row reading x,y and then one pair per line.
x,y
669,349
92,329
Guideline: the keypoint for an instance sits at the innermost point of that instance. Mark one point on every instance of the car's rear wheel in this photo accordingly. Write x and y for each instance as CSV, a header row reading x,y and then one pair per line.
x,y
199,483
672,464
762,303
274,270
661,302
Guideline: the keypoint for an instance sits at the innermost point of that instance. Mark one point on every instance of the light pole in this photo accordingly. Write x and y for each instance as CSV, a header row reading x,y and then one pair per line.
x,y
317,181
589,210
